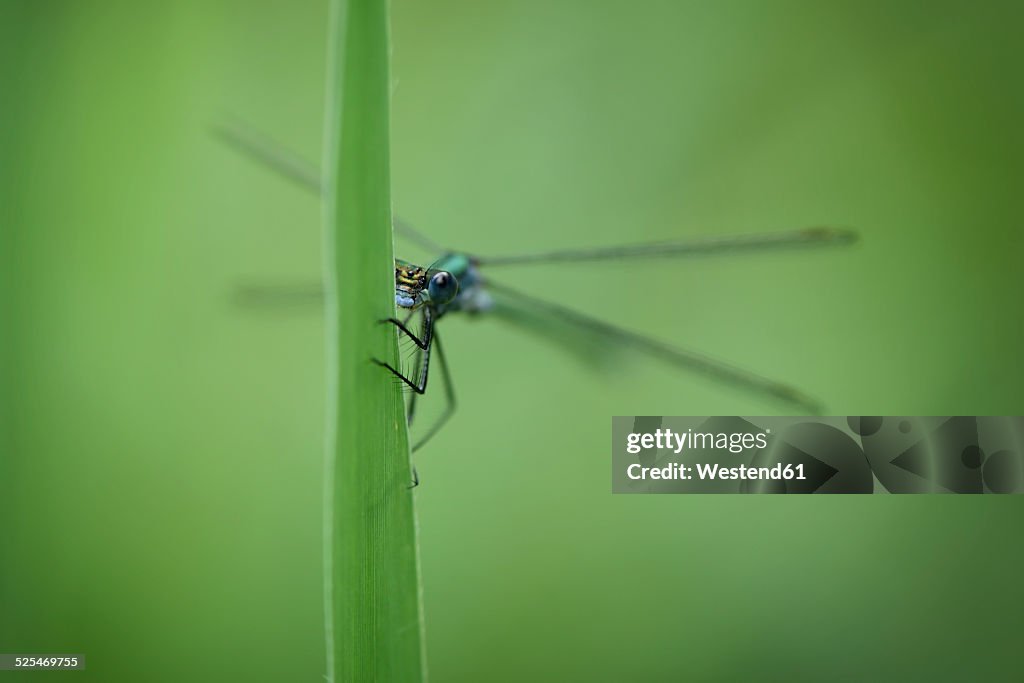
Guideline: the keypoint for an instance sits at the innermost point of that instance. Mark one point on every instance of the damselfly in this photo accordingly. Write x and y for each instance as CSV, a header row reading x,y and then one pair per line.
x,y
456,282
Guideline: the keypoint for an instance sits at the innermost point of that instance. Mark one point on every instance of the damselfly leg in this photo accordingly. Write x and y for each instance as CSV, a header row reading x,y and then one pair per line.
x,y
449,393
427,341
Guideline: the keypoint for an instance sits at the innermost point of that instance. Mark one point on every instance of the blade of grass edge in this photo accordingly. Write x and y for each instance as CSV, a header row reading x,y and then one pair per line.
x,y
372,591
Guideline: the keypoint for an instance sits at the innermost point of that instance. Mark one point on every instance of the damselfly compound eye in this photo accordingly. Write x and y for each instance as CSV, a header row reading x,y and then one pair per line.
x,y
443,287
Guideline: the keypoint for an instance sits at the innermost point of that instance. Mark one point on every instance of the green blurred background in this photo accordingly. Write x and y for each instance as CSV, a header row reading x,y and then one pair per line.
x,y
160,472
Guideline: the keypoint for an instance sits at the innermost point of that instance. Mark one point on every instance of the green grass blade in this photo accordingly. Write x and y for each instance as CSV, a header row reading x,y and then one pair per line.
x,y
372,601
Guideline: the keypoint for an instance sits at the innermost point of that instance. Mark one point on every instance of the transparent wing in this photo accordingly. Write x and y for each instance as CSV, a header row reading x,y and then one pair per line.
x,y
702,246
296,169
682,358
279,296
291,166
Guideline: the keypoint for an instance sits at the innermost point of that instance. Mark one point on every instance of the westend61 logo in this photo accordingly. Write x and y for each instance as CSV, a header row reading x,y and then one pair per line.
x,y
666,439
